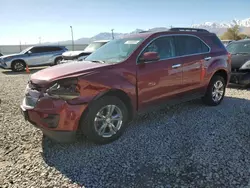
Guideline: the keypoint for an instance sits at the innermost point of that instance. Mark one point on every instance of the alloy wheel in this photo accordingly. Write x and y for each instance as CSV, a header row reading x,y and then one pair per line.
x,y
218,91
19,66
108,121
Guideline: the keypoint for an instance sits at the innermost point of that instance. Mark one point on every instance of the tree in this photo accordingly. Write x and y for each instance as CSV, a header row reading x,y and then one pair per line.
x,y
232,33
244,36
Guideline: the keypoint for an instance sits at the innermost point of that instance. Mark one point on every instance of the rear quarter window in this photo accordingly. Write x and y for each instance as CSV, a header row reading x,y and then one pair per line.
x,y
190,45
215,43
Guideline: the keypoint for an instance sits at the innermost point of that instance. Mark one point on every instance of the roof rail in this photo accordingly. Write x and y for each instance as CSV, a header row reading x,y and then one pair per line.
x,y
188,29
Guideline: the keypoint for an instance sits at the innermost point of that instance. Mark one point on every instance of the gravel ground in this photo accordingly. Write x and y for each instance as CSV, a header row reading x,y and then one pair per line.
x,y
187,145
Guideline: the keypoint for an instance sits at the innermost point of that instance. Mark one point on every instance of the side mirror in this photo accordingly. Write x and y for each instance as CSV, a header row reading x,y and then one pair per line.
x,y
29,52
149,56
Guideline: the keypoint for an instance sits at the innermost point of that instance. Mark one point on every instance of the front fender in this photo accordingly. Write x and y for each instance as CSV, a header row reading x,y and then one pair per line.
x,y
97,84
9,63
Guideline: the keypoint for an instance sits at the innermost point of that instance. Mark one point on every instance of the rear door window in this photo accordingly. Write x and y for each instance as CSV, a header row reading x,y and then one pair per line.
x,y
52,49
190,45
36,50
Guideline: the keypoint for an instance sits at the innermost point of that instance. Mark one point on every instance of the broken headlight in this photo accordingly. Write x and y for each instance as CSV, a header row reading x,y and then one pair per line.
x,y
66,89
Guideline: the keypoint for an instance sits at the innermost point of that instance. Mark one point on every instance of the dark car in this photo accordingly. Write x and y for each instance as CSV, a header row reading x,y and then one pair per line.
x,y
240,51
130,75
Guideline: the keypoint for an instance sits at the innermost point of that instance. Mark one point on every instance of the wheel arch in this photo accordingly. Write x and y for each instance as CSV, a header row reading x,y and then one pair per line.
x,y
123,96
222,72
17,60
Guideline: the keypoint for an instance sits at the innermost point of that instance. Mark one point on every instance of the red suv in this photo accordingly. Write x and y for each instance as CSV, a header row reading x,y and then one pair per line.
x,y
100,95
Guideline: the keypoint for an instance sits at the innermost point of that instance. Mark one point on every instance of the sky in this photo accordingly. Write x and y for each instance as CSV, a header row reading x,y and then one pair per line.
x,y
26,20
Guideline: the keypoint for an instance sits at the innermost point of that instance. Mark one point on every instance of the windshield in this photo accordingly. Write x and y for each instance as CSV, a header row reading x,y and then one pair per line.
x,y
94,46
242,47
25,50
116,50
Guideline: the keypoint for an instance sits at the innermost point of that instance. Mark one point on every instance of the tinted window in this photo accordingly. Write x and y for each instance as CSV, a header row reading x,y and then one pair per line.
x,y
188,45
37,50
164,46
51,49
214,42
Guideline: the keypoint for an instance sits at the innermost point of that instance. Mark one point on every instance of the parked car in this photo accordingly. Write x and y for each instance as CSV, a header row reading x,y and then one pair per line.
x,y
1,54
226,42
33,56
70,56
240,51
127,76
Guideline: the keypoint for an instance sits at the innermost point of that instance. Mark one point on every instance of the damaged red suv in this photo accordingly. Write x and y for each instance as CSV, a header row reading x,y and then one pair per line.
x,y
100,95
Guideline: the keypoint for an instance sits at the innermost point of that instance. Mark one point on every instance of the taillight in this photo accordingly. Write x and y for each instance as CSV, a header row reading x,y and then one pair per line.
x,y
229,56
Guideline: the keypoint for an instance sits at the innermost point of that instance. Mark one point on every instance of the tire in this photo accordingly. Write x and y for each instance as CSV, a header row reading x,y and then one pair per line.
x,y
58,60
211,99
90,124
18,66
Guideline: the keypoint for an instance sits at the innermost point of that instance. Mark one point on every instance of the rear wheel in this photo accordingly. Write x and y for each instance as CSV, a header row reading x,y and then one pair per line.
x,y
18,66
215,91
105,120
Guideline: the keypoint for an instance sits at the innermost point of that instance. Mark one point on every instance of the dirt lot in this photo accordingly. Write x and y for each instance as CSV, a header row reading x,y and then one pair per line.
x,y
188,145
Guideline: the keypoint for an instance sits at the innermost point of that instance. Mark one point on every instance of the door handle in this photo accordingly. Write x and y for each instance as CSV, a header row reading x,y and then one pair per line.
x,y
176,66
207,58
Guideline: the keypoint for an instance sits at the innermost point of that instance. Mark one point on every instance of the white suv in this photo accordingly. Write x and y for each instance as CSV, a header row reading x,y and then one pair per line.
x,y
33,56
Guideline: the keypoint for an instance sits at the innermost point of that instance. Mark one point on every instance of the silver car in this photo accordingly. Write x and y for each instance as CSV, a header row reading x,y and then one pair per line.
x,y
33,56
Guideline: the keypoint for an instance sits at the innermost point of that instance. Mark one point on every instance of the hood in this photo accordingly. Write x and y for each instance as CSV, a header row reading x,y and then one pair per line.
x,y
10,55
65,70
239,59
75,53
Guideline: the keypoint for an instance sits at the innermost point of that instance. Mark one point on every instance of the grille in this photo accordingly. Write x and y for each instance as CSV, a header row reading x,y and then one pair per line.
x,y
70,57
34,86
32,94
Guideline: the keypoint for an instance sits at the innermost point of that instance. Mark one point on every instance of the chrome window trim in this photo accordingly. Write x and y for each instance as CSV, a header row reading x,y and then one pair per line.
x,y
173,35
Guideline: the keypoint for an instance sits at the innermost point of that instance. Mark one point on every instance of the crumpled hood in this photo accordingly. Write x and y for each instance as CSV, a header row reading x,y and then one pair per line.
x,y
60,71
74,53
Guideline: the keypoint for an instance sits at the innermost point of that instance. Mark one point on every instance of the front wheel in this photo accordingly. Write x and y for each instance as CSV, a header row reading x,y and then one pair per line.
x,y
105,120
18,66
215,91
58,61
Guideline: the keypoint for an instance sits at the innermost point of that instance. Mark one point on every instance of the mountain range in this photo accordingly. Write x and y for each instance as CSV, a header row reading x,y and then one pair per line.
x,y
215,27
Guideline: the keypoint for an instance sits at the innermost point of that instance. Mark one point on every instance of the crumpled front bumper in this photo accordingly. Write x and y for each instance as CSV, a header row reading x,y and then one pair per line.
x,y
241,78
55,117
4,65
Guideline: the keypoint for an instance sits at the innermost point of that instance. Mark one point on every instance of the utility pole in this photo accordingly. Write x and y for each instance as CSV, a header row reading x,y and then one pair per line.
x,y
20,46
112,31
72,36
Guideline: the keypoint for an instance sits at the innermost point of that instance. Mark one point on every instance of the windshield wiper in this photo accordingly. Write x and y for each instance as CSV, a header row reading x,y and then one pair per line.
x,y
98,61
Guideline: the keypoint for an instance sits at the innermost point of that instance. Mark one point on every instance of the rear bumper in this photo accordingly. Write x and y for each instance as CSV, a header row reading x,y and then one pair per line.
x,y
241,78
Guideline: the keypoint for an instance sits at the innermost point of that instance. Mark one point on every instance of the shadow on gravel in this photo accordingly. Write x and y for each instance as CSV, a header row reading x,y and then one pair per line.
x,y
237,86
189,145
32,70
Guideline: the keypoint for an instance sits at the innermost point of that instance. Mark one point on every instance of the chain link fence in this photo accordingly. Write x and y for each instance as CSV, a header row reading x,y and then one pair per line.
x,y
11,49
